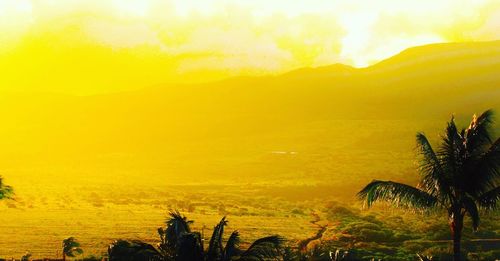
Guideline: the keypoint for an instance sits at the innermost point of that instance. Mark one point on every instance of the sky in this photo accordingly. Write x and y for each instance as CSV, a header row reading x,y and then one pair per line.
x,y
92,46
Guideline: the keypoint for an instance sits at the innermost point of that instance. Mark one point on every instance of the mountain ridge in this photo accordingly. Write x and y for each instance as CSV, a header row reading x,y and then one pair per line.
x,y
227,130
415,56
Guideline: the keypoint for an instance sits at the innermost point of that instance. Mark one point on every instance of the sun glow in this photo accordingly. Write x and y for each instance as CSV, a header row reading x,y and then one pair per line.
x,y
131,7
115,113
151,41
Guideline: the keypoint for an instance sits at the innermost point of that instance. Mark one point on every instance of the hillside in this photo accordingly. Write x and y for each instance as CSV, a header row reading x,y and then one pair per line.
x,y
265,151
307,126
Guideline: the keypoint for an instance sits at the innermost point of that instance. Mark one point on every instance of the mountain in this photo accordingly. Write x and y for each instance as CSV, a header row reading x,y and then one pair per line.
x,y
335,124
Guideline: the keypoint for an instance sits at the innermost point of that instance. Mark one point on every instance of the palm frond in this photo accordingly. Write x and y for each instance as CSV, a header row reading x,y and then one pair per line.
x,y
290,254
6,192
215,245
490,199
450,152
189,247
396,193
434,180
132,250
74,252
484,174
232,246
177,225
265,248
70,242
179,220
471,209
478,134
71,247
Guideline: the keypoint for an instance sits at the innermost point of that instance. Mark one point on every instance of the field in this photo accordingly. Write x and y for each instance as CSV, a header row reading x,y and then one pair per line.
x,y
97,216
277,190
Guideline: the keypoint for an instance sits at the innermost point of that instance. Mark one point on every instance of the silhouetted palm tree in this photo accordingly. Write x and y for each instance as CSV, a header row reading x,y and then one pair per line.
x,y
71,247
461,176
177,239
265,248
134,250
179,243
6,192
26,256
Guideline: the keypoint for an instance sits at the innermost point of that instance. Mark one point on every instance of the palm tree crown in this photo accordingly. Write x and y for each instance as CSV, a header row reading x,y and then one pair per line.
x,y
461,176
6,192
178,242
71,247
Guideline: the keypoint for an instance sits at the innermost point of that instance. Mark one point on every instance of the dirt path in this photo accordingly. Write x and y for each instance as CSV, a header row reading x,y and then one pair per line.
x,y
319,234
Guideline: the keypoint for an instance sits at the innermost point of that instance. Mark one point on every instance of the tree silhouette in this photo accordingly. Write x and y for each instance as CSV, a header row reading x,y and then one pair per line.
x,y
178,242
124,250
461,176
71,247
26,256
188,245
6,192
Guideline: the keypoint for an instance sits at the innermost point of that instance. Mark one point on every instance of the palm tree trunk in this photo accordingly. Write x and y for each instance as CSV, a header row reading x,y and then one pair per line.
x,y
64,256
456,225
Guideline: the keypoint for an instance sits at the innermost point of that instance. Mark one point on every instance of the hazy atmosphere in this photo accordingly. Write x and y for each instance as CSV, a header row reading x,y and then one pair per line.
x,y
132,44
321,130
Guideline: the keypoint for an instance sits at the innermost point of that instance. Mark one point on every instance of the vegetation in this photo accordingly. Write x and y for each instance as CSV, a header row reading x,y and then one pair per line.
x,y
460,177
26,257
6,192
71,248
338,231
89,163
179,242
379,232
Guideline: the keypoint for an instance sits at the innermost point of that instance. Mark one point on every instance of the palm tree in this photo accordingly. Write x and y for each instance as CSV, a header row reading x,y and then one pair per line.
x,y
266,248
133,250
178,242
177,239
461,176
27,256
6,192
71,247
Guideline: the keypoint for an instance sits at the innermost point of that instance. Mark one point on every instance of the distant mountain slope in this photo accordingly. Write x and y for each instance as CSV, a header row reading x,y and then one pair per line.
x,y
335,119
330,71
448,54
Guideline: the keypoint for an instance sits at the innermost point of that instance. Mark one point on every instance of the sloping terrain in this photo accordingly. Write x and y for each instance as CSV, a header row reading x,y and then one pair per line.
x,y
311,133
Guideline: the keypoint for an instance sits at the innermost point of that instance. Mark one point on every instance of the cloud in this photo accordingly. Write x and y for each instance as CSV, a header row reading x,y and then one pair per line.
x,y
490,26
206,40
121,35
382,32
233,50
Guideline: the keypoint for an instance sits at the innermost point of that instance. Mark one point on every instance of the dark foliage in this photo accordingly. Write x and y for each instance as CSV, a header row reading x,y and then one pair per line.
x,y
461,177
178,242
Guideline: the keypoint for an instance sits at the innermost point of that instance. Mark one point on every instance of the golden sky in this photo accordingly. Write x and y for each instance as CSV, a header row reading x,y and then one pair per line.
x,y
91,46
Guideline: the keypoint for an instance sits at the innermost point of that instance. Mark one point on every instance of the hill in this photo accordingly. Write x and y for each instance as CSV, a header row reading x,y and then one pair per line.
x,y
312,125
